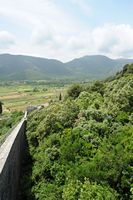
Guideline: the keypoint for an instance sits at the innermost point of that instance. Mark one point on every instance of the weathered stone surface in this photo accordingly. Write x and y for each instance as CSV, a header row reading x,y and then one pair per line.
x,y
11,153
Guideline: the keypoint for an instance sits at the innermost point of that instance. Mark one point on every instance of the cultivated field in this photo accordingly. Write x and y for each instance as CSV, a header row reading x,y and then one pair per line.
x,y
18,96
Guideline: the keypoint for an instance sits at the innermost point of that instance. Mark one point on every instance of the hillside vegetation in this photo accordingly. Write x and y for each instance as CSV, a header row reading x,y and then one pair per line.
x,y
18,67
7,122
82,148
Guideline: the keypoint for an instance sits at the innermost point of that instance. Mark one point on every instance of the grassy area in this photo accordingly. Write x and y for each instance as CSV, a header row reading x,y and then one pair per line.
x,y
18,96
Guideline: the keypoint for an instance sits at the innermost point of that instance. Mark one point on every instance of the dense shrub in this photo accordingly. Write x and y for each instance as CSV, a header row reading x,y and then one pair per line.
x,y
82,148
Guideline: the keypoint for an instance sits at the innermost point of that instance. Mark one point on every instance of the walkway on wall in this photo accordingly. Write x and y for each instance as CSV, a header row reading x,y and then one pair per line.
x,y
11,152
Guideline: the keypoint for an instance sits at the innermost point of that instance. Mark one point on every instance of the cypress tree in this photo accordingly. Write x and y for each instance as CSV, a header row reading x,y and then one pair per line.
x,y
1,107
60,97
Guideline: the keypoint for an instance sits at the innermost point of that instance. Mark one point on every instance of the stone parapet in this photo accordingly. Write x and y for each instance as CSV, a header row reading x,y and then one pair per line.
x,y
11,153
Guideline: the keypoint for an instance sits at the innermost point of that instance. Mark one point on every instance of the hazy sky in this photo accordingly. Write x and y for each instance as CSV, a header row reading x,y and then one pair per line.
x,y
65,29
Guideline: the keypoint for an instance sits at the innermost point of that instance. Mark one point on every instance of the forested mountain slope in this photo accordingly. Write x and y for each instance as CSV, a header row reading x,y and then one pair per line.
x,y
82,148
96,66
19,67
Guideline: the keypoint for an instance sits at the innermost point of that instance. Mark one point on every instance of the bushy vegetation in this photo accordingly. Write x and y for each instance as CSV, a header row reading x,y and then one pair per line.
x,y
82,148
7,122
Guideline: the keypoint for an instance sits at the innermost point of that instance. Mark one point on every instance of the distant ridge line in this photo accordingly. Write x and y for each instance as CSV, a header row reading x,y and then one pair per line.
x,y
23,67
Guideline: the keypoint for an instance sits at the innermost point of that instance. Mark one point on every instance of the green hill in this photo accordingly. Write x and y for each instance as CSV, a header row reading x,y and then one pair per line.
x,y
96,66
82,147
18,67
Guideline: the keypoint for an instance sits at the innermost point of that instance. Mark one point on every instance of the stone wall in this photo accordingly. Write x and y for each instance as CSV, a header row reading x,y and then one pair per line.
x,y
11,153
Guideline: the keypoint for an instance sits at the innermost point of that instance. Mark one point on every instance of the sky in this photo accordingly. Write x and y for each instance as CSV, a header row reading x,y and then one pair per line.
x,y
67,29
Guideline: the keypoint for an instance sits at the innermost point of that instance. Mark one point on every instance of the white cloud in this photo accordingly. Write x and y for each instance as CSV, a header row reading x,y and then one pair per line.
x,y
6,40
51,32
111,40
83,5
114,40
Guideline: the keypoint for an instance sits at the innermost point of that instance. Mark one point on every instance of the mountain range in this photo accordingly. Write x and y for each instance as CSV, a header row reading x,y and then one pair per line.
x,y
20,67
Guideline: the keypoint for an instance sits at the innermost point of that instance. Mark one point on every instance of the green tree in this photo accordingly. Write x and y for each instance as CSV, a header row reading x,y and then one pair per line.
x,y
1,109
93,191
60,97
74,91
98,87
